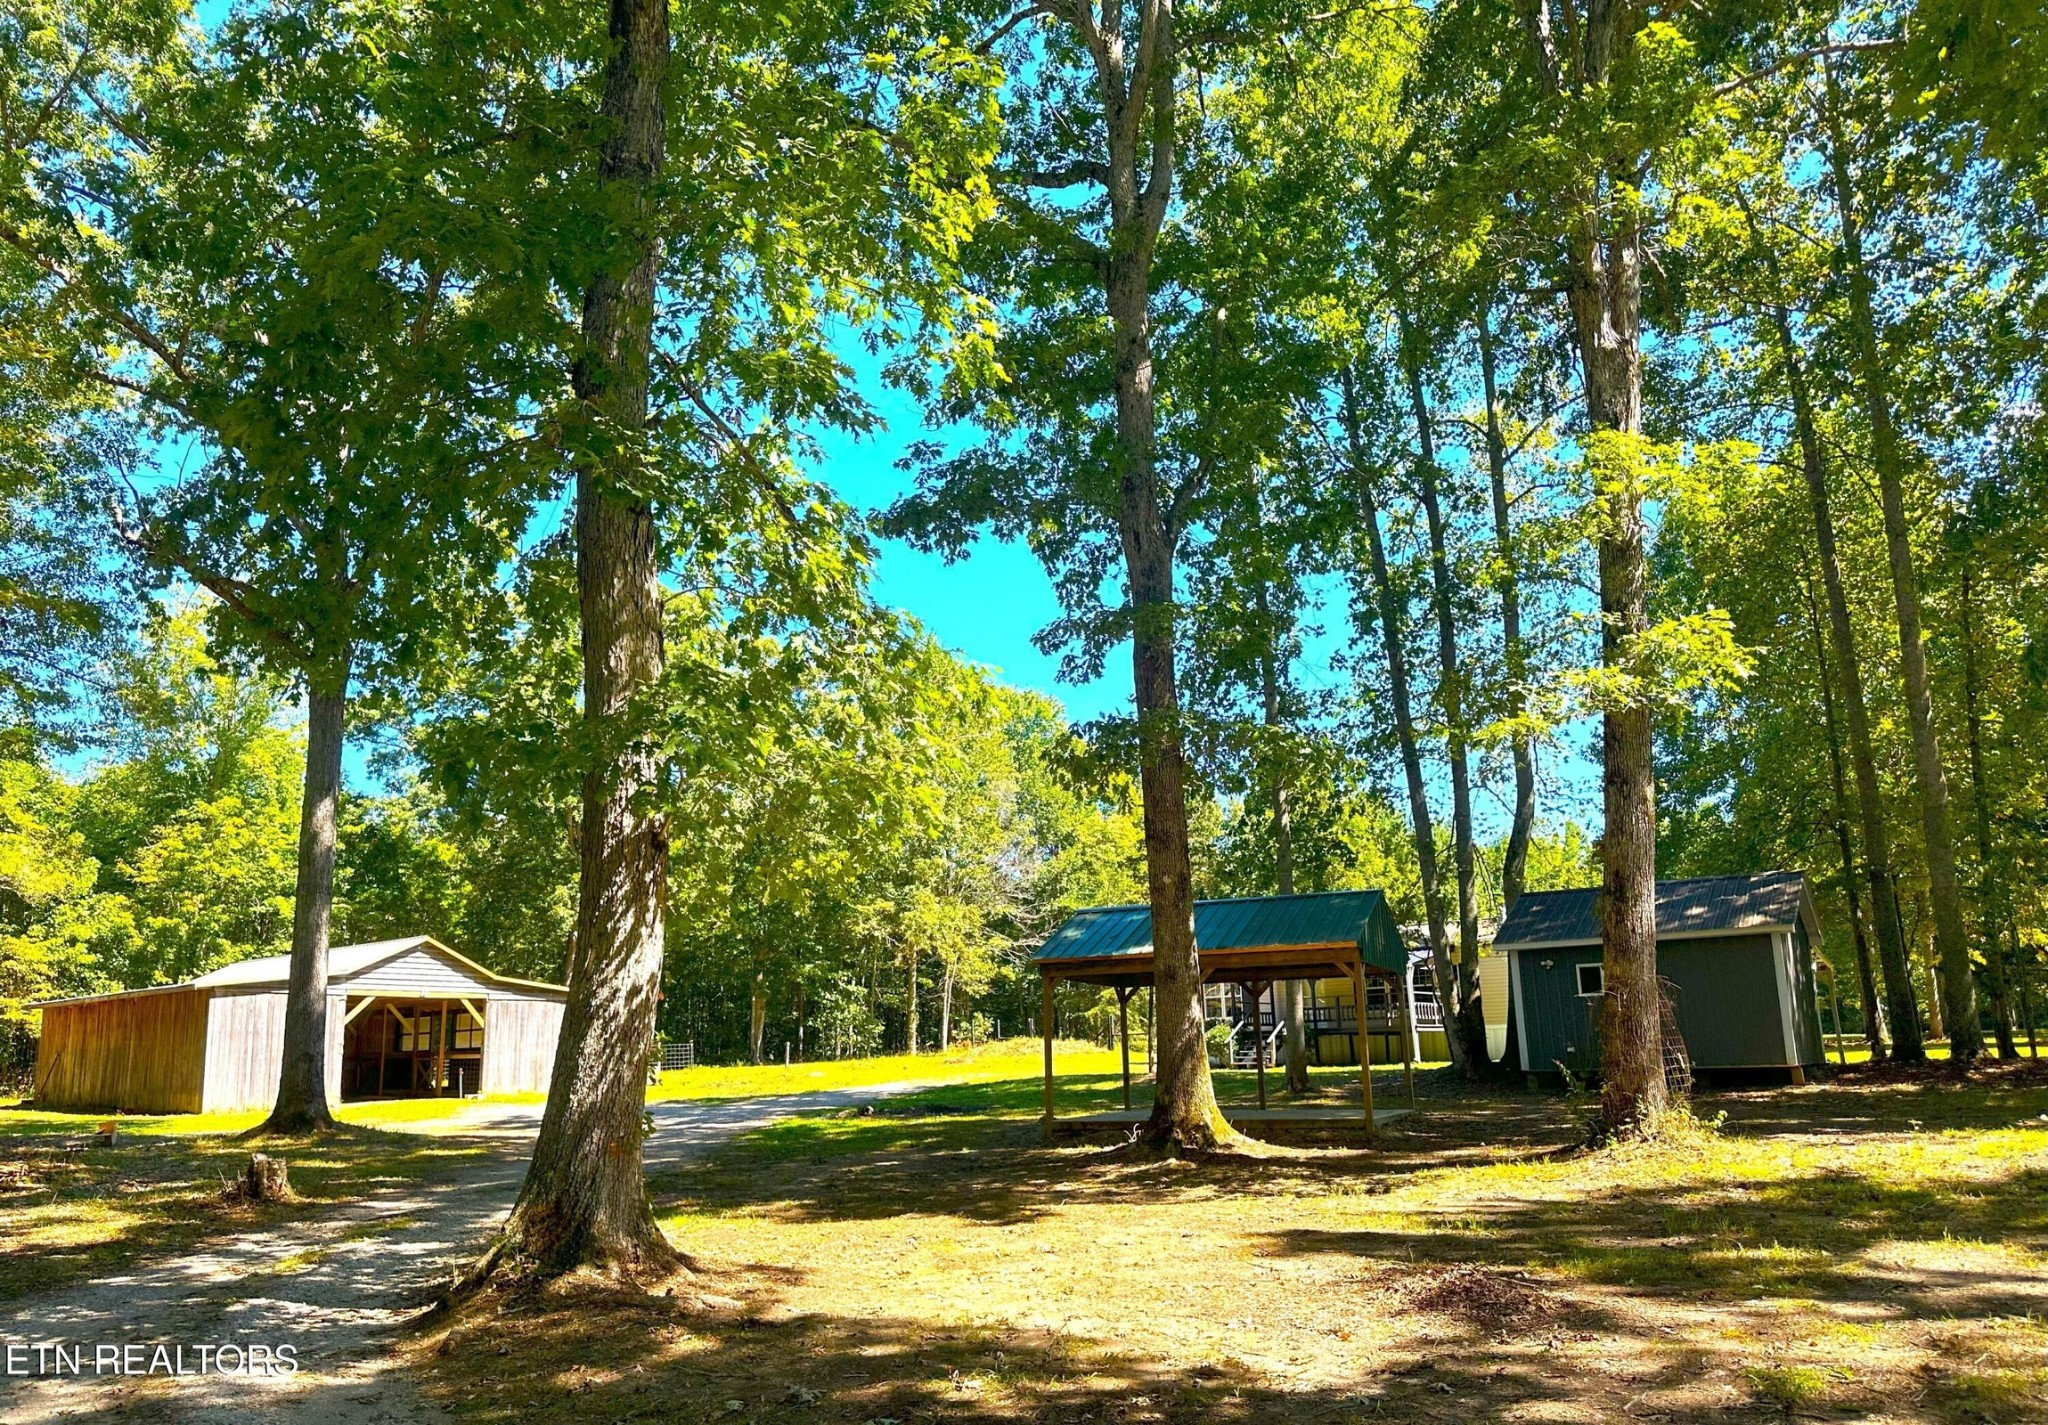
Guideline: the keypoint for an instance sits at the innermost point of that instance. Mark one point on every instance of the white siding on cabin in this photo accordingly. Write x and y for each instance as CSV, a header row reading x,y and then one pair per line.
x,y
417,974
519,1044
244,1047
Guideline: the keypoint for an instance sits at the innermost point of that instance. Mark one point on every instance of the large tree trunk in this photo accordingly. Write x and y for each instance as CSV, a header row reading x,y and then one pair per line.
x,y
1515,864
1469,1022
1873,1015
1950,938
1603,286
301,1105
1392,624
1138,91
1991,893
585,1200
1884,910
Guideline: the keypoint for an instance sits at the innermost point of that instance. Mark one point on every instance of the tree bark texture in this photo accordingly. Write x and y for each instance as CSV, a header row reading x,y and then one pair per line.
x,y
1904,1019
1873,1013
1137,90
1468,1021
584,1201
1990,891
1515,864
301,1105
1392,625
1950,938
1603,287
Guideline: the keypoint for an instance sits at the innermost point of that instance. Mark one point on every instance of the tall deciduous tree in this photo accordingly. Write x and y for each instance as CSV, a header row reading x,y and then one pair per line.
x,y
1588,61
352,413
1951,944
583,1198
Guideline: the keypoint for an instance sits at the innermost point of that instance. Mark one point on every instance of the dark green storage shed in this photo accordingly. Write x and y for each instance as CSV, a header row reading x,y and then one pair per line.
x,y
1736,953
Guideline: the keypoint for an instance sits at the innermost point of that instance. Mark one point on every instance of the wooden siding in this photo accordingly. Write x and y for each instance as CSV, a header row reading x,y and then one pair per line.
x,y
519,1044
139,1053
416,974
1726,998
244,1044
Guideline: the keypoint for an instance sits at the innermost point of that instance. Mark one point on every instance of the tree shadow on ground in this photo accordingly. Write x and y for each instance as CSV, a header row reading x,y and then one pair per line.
x,y
962,1153
1801,1239
600,1354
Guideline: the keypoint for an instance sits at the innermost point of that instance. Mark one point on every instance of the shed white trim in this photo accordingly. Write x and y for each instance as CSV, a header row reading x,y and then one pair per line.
x,y
1773,928
1781,963
1520,1005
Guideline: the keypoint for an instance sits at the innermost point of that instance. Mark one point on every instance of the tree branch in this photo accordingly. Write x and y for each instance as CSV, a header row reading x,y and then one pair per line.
x,y
1818,52
1067,175
1029,12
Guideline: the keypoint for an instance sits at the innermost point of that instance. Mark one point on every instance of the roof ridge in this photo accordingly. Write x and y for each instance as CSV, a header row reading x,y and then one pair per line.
x,y
1237,900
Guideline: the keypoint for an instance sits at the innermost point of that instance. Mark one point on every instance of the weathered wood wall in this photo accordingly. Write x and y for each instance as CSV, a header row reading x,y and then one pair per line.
x,y
519,1044
417,974
141,1053
244,1043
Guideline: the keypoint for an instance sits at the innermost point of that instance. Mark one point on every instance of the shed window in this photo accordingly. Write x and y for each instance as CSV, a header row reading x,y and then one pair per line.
x,y
468,1034
1592,980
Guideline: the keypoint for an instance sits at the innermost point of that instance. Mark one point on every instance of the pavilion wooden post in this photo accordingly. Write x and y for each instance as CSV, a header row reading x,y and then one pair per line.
x,y
440,1048
1045,1029
1408,1034
1258,989
1123,1020
1356,971
1408,1009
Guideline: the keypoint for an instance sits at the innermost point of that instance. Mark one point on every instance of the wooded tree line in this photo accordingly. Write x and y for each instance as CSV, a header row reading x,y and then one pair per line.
x,y
1438,401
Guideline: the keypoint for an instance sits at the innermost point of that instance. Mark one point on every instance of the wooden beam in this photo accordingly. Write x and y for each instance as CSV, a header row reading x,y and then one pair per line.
x,y
441,1021
350,1018
1408,1033
1045,1030
1364,1048
1259,1039
1123,1019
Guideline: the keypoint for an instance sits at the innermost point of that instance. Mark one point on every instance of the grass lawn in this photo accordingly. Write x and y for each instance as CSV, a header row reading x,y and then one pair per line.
x,y
1005,1059
158,1192
1873,1248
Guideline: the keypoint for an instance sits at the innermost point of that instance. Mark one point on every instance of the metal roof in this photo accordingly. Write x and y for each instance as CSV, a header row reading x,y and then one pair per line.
x,y
1242,923
1704,905
344,963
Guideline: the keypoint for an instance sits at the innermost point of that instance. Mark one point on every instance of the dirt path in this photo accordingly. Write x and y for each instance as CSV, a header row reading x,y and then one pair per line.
x,y
334,1289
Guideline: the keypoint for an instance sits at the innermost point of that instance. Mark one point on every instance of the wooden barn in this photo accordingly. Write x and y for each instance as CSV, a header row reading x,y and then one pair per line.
x,y
1735,954
405,1019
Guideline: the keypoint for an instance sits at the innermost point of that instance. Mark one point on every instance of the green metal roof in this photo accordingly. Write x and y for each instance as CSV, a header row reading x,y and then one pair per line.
x,y
1356,918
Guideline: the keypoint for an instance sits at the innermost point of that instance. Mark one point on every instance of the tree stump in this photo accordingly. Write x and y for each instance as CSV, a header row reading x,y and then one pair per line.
x,y
264,1180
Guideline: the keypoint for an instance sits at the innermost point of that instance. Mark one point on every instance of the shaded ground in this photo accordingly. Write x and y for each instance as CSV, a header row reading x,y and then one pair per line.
x,y
163,1261
1869,1249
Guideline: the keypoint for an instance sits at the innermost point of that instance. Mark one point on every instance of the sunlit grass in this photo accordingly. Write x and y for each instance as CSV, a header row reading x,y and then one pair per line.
x,y
1007,1058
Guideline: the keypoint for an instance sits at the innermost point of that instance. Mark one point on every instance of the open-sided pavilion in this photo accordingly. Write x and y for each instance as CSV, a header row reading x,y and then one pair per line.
x,y
1249,940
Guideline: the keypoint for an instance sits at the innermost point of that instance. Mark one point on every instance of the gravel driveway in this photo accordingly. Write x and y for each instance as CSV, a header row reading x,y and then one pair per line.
x,y
347,1282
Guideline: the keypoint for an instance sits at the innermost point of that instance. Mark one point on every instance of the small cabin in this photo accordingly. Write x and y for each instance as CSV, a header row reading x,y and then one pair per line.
x,y
1734,953
405,1019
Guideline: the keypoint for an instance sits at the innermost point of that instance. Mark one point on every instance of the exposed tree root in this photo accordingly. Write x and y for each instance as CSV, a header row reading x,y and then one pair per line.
x,y
513,1263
